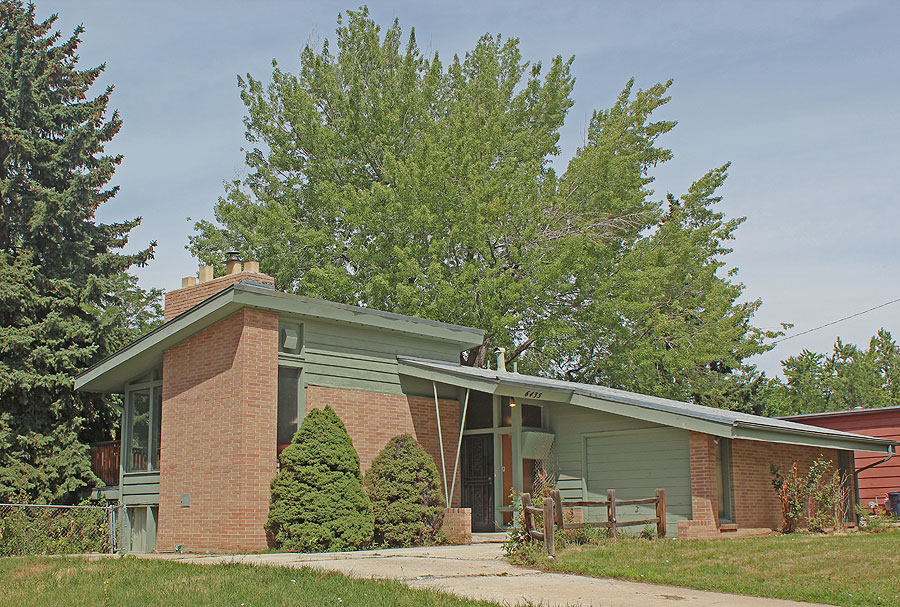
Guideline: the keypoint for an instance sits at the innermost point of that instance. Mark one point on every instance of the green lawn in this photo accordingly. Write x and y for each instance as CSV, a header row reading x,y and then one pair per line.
x,y
857,569
47,581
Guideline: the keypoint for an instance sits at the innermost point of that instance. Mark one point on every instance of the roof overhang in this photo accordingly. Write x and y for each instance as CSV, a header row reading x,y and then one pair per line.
x,y
695,418
111,374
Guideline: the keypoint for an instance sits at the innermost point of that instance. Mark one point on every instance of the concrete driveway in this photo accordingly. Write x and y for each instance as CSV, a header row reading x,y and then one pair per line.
x,y
479,571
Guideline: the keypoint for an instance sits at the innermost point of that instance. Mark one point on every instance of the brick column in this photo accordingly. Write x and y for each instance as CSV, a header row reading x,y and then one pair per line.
x,y
218,452
704,484
458,525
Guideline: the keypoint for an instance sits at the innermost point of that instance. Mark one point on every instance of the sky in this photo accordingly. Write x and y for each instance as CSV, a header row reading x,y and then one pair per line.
x,y
803,98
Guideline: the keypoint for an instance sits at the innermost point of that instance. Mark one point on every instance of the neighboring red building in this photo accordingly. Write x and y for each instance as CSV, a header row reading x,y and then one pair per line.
x,y
877,481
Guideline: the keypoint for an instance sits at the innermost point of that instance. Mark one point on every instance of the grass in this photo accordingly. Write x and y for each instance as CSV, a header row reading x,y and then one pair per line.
x,y
859,569
44,581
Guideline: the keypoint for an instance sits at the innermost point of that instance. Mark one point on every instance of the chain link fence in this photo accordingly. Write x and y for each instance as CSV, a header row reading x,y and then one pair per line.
x,y
45,529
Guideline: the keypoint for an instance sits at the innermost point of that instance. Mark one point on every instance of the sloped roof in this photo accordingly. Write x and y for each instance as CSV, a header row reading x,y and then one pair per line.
x,y
110,374
710,420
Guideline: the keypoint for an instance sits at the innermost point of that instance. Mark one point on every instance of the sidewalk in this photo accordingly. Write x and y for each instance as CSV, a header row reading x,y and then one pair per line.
x,y
479,571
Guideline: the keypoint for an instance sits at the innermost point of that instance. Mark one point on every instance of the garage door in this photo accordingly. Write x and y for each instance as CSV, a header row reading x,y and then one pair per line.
x,y
636,463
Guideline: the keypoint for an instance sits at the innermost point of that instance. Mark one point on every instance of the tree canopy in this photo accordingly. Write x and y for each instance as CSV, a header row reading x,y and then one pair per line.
x,y
380,176
848,378
66,300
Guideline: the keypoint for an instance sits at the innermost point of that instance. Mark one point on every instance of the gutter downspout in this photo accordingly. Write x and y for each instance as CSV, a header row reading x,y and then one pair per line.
x,y
864,468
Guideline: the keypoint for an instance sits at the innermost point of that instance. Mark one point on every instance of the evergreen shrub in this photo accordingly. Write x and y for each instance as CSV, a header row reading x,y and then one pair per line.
x,y
405,490
318,502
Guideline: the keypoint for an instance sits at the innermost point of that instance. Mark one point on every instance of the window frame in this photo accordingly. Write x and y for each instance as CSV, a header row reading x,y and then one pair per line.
x,y
154,432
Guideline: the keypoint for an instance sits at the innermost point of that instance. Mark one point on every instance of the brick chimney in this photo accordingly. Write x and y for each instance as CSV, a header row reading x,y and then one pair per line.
x,y
195,289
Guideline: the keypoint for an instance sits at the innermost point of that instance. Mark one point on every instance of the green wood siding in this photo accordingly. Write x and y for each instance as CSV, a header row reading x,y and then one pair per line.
x,y
140,488
634,457
356,358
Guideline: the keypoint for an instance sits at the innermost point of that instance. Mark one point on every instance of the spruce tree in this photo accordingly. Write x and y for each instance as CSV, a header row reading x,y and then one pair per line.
x,y
318,502
66,300
405,490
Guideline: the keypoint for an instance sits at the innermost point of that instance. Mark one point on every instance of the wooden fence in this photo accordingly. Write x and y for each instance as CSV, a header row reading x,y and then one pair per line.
x,y
105,461
552,512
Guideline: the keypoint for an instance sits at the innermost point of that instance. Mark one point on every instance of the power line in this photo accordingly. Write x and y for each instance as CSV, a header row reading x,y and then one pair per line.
x,y
834,322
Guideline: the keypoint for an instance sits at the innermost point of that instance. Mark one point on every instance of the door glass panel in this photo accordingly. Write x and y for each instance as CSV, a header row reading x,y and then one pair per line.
x,y
139,415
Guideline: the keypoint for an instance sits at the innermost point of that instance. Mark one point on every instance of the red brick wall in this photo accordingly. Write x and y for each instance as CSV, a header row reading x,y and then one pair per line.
x,y
219,416
182,300
704,481
874,483
755,503
373,419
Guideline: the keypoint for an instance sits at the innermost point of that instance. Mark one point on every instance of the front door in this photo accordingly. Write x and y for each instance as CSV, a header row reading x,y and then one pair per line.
x,y
478,480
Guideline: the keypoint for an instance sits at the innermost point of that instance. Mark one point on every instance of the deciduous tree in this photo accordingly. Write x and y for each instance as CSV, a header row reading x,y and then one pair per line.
x,y
381,176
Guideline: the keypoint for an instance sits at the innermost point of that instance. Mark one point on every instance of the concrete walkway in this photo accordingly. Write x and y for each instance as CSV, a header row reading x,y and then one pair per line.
x,y
479,571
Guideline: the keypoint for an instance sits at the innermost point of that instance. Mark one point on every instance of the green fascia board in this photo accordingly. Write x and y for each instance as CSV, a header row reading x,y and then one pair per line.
x,y
110,375
486,382
849,442
638,406
306,307
664,418
405,367
739,429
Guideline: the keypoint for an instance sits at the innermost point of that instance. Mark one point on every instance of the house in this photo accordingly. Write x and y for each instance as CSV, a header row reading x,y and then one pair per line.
x,y
876,477
212,394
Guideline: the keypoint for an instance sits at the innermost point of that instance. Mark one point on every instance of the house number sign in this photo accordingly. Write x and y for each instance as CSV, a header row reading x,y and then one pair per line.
x,y
533,394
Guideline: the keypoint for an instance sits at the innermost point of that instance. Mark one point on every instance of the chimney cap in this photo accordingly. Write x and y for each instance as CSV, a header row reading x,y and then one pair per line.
x,y
232,256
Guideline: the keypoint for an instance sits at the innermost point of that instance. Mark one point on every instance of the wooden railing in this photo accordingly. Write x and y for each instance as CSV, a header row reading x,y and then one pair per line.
x,y
105,461
552,512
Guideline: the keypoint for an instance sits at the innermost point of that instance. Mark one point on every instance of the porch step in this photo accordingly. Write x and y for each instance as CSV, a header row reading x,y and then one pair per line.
x,y
489,538
728,527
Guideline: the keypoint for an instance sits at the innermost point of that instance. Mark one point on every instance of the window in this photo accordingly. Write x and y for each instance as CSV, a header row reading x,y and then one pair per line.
x,y
157,424
480,412
531,416
139,426
505,412
143,416
290,406
723,473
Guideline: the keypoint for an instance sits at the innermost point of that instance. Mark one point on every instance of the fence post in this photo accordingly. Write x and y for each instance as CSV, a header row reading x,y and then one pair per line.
x,y
611,511
661,513
549,540
529,517
557,502
111,521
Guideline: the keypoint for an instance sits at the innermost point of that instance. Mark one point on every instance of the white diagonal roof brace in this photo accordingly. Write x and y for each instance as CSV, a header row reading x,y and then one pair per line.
x,y
437,413
462,426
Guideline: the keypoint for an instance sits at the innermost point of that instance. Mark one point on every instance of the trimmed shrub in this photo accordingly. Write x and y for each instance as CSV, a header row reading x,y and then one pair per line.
x,y
318,502
405,490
